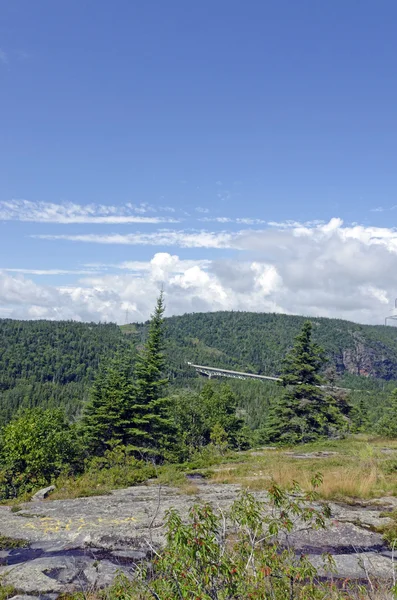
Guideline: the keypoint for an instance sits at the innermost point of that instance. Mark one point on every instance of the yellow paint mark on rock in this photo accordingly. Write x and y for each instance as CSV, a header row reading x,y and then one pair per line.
x,y
52,525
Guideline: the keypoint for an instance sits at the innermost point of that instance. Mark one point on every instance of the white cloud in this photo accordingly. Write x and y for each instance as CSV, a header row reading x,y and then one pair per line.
x,y
183,239
240,220
174,263
290,224
47,271
67,213
201,209
224,195
249,221
318,269
216,220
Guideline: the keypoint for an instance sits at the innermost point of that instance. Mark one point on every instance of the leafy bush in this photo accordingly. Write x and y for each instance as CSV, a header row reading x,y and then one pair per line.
x,y
251,558
36,447
205,417
202,560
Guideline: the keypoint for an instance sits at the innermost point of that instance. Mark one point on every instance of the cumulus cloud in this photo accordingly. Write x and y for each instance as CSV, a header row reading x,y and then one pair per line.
x,y
67,213
173,263
317,269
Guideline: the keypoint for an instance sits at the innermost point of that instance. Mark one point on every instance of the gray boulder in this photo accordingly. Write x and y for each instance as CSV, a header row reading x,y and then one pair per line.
x,y
43,575
41,494
103,573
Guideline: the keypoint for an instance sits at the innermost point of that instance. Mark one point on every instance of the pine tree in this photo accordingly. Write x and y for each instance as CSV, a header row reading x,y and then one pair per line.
x,y
151,388
150,363
305,411
387,425
109,414
127,403
360,417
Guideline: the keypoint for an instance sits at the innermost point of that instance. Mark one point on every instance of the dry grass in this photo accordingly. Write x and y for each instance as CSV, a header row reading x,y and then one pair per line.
x,y
359,469
190,489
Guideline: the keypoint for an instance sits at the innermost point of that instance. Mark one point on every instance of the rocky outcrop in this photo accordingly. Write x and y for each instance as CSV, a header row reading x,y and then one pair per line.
x,y
63,573
80,543
42,494
368,359
359,361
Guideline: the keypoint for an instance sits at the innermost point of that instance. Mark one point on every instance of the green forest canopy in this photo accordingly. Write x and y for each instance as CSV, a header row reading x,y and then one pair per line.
x,y
53,363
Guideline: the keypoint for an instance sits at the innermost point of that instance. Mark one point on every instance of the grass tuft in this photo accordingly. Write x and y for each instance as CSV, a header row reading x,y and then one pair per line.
x,y
8,543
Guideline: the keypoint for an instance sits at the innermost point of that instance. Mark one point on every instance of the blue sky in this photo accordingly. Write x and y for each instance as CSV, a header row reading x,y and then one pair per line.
x,y
241,154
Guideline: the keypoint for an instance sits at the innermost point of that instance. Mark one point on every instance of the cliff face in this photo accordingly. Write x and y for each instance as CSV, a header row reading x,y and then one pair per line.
x,y
366,359
361,359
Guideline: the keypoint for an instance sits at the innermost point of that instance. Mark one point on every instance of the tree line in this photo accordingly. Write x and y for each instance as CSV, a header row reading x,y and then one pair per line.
x,y
133,412
53,364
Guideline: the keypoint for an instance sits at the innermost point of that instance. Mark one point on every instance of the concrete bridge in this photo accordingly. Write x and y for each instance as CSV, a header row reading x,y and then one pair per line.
x,y
217,372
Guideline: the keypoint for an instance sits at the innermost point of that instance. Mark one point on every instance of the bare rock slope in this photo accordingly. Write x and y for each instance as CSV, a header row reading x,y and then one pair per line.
x,y
75,544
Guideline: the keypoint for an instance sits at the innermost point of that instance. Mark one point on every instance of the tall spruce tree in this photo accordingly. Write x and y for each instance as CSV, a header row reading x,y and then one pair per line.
x,y
151,388
387,425
127,401
305,411
110,413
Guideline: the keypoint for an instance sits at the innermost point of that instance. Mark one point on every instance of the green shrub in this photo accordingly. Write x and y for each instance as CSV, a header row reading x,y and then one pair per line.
x,y
202,560
36,447
115,469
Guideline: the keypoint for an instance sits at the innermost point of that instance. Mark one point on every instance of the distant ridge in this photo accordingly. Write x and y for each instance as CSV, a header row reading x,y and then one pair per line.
x,y
257,342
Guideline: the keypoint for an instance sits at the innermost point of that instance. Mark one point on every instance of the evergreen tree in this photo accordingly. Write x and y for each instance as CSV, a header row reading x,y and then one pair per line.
x,y
150,363
305,411
151,388
387,425
360,418
127,404
109,415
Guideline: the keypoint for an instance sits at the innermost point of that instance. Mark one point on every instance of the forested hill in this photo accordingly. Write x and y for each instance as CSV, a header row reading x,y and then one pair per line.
x,y
56,351
259,341
53,363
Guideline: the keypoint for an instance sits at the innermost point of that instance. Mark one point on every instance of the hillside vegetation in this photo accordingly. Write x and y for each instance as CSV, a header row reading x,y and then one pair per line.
x,y
259,342
53,363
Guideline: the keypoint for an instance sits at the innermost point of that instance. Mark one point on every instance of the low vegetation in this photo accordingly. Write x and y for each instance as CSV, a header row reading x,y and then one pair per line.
x,y
8,543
